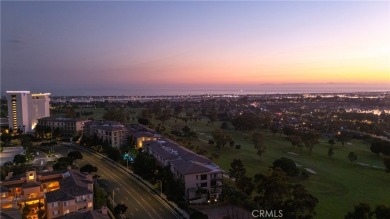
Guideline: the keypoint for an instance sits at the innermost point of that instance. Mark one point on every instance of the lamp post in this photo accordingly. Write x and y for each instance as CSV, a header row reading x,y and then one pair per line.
x,y
113,195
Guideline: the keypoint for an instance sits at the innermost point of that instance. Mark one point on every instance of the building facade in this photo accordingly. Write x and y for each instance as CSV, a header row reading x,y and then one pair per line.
x,y
68,126
114,133
25,108
201,178
60,192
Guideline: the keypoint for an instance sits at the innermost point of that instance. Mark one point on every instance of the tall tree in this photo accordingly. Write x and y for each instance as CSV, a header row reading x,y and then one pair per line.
x,y
237,169
245,184
330,152
352,157
213,115
286,165
376,147
310,139
258,142
220,138
361,211
275,191
19,159
382,212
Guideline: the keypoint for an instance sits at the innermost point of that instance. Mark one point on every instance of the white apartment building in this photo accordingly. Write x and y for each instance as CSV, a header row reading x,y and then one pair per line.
x,y
24,109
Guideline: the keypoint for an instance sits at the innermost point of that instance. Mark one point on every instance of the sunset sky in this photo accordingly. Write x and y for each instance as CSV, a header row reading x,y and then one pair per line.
x,y
64,46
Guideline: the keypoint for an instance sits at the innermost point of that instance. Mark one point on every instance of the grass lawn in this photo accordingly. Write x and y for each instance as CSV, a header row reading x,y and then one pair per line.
x,y
338,184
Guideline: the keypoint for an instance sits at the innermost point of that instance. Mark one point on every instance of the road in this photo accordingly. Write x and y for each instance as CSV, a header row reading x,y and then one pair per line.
x,y
140,202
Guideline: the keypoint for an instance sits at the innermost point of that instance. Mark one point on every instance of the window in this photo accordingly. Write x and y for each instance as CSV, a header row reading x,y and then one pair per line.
x,y
90,205
84,197
196,177
203,177
54,204
55,212
64,203
203,184
31,176
66,211
3,195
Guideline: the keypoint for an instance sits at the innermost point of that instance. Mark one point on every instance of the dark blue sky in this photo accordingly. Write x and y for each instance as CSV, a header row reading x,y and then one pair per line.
x,y
80,47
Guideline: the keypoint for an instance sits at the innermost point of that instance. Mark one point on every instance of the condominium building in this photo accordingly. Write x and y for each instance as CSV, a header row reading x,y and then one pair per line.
x,y
67,126
25,108
60,192
202,179
139,134
75,194
114,133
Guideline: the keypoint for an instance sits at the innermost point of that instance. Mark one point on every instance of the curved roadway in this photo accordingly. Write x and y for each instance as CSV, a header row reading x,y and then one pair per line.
x,y
140,202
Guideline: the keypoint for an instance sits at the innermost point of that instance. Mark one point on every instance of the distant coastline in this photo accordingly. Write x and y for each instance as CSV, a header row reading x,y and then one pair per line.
x,y
259,89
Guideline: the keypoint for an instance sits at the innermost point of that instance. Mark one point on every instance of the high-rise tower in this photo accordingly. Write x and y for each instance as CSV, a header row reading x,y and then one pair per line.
x,y
25,108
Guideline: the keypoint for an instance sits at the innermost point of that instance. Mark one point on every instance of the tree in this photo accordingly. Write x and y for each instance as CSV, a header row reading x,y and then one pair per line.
x,y
286,165
361,211
342,137
120,209
331,142
237,169
75,155
41,213
62,163
113,153
330,152
144,165
143,121
376,147
164,116
386,162
245,184
6,138
25,210
310,139
275,191
19,159
295,140
99,197
224,126
352,157
246,121
221,139
88,168
382,212
258,142
213,115
186,130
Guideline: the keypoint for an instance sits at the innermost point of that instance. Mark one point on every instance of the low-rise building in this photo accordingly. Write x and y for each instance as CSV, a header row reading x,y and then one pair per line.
x,y
139,134
68,126
59,192
114,133
202,179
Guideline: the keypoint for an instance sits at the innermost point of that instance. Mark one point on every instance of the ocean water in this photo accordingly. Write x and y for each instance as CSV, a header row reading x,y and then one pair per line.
x,y
230,89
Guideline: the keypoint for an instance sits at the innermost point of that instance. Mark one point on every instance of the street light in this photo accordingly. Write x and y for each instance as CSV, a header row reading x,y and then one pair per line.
x,y
113,195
